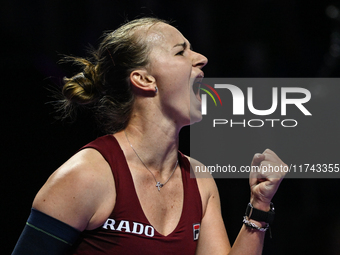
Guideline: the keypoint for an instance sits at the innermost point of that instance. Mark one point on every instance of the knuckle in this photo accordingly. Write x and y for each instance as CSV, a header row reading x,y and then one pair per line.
x,y
267,151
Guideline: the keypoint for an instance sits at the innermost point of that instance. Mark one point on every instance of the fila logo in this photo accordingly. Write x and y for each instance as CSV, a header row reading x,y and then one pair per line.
x,y
196,229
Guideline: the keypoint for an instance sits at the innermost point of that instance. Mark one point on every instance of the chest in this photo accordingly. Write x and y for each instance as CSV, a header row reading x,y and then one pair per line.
x,y
162,208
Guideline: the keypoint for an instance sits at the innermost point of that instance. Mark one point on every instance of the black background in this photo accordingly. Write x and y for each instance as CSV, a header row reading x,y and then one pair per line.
x,y
264,38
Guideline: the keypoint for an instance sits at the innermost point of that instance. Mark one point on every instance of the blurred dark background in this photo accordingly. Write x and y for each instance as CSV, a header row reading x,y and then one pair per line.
x,y
260,38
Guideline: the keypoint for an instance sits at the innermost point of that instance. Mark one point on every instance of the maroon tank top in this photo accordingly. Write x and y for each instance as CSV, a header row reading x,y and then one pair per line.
x,y
127,230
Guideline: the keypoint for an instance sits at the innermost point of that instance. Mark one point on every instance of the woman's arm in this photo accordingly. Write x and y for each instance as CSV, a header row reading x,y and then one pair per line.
x,y
213,237
77,192
78,196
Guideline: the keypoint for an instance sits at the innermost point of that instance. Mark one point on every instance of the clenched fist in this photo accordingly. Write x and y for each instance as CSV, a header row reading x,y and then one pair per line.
x,y
264,182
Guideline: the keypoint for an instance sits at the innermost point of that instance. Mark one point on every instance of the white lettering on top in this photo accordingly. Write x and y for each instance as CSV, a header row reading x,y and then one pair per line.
x,y
126,226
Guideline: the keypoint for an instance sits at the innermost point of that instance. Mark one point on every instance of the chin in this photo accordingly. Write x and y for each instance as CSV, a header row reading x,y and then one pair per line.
x,y
197,117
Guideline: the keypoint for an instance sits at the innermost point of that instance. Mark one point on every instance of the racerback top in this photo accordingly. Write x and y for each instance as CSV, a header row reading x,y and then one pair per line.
x,y
127,230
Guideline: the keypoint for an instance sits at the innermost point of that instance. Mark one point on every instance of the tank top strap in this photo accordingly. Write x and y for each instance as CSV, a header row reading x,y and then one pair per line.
x,y
192,204
110,149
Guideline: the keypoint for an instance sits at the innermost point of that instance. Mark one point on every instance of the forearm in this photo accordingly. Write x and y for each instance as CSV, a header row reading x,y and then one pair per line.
x,y
263,186
250,241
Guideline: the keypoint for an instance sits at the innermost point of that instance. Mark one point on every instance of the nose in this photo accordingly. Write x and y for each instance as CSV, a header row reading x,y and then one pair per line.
x,y
199,60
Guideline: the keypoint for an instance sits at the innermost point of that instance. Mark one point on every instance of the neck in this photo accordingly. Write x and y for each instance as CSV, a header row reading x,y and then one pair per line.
x,y
156,143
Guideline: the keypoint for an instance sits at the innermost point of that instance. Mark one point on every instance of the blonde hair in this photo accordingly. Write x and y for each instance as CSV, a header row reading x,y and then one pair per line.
x,y
103,85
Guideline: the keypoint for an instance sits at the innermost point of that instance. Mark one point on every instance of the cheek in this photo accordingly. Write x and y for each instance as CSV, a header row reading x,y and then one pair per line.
x,y
171,73
172,78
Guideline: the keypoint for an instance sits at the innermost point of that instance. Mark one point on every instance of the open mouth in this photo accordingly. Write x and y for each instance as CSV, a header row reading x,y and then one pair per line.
x,y
197,85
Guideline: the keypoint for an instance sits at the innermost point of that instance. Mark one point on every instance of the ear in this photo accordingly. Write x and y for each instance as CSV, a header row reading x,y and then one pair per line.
x,y
141,79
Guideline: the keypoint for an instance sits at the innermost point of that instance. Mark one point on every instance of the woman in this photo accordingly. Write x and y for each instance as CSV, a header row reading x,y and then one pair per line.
x,y
130,192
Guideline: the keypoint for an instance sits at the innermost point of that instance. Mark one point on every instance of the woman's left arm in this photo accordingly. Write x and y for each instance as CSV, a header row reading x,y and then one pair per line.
x,y
263,185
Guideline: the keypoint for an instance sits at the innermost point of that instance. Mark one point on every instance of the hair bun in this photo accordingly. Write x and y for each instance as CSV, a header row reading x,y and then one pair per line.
x,y
103,84
81,88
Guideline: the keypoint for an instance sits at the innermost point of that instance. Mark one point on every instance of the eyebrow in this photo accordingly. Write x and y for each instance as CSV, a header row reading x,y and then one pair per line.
x,y
184,45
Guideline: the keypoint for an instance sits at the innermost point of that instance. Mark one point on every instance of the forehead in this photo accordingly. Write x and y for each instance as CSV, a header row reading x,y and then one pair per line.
x,y
165,36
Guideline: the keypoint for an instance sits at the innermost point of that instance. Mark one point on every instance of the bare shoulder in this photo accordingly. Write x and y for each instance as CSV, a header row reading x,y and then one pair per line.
x,y
205,182
80,193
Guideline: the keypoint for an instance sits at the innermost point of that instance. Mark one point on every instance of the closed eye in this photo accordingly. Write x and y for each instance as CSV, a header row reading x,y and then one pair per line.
x,y
180,53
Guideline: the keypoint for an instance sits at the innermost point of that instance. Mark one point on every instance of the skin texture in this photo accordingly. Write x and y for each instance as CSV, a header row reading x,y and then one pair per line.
x,y
82,193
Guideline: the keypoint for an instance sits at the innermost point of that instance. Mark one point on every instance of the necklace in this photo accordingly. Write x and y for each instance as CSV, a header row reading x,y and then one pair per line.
x,y
158,184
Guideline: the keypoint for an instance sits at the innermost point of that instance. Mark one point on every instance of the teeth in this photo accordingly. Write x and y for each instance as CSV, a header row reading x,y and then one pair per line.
x,y
199,78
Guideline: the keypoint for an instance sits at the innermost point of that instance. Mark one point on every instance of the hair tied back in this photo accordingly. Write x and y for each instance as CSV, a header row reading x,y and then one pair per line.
x,y
111,57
